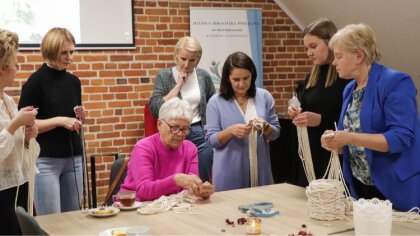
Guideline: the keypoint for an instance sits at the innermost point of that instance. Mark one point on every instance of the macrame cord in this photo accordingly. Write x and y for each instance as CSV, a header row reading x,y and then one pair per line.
x,y
31,172
182,202
328,198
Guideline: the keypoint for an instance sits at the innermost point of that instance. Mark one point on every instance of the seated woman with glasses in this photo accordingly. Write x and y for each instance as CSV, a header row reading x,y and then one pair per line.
x,y
165,163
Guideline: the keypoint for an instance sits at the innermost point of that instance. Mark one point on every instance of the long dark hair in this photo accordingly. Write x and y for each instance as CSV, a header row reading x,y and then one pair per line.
x,y
234,61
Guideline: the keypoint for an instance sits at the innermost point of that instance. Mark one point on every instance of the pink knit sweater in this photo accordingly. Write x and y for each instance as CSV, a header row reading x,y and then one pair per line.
x,y
153,165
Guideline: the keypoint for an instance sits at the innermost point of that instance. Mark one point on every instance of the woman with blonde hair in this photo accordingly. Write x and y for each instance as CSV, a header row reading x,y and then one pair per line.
x,y
379,126
16,129
186,81
320,96
57,94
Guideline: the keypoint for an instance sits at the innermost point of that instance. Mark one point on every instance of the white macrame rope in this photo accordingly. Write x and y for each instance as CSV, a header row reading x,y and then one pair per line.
x,y
413,215
305,153
182,202
329,198
253,157
31,175
31,172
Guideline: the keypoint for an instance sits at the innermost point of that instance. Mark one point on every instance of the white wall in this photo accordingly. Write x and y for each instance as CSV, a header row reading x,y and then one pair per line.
x,y
396,25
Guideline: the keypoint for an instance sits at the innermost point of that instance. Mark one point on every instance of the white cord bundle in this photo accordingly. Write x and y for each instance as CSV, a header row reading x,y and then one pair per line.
x,y
32,156
413,215
253,158
304,148
31,175
305,153
181,203
329,199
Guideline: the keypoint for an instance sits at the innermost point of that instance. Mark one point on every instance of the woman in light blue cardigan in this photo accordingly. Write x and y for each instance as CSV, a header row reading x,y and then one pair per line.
x,y
381,137
230,117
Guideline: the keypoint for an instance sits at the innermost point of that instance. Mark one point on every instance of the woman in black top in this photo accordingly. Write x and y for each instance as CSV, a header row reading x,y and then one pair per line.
x,y
57,94
320,96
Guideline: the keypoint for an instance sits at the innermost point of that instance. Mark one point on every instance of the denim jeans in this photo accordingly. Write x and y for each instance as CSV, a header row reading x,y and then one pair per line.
x,y
205,152
59,185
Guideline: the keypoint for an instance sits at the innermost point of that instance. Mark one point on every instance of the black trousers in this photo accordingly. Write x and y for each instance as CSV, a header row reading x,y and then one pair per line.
x,y
367,191
9,224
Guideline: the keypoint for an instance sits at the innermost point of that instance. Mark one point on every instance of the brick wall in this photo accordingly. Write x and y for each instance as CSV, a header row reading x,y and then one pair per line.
x,y
116,84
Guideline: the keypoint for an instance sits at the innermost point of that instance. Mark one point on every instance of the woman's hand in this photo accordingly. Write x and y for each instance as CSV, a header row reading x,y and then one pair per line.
x,y
307,118
26,116
80,112
293,111
334,140
31,132
207,190
240,130
71,123
258,124
190,182
181,79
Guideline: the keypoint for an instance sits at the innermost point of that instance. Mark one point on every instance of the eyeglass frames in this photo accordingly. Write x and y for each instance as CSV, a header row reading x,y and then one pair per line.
x,y
175,129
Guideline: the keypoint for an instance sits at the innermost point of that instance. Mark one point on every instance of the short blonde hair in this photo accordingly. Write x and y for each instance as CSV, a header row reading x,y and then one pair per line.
x,y
52,42
357,36
176,108
190,44
9,46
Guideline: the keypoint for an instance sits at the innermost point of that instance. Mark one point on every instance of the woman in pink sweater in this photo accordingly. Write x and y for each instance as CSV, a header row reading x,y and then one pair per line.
x,y
165,163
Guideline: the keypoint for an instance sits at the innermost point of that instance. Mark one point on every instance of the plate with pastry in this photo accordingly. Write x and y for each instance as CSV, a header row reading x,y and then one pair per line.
x,y
120,231
104,211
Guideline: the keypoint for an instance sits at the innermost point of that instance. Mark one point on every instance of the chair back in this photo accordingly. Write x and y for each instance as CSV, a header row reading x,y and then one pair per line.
x,y
116,166
27,223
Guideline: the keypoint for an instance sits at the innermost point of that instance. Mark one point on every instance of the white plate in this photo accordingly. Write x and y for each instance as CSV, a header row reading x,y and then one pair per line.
x,y
132,207
108,232
93,212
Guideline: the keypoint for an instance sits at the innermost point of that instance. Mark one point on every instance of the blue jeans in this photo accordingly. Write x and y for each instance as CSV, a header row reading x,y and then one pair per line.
x,y
205,152
59,185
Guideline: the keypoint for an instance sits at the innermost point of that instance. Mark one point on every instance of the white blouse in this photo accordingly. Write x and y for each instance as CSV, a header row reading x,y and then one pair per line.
x,y
14,157
190,92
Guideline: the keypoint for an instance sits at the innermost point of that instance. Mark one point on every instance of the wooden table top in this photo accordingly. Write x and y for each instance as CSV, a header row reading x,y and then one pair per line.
x,y
209,218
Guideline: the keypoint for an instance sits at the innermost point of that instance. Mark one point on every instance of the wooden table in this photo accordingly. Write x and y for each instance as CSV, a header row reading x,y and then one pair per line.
x,y
209,217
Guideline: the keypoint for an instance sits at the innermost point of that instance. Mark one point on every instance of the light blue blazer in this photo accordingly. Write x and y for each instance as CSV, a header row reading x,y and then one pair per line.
x,y
389,107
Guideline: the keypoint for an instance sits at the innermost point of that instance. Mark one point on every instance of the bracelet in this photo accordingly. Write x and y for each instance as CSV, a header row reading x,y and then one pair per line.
x,y
266,126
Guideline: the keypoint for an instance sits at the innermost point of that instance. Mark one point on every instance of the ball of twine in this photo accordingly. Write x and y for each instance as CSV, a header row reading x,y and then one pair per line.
x,y
326,199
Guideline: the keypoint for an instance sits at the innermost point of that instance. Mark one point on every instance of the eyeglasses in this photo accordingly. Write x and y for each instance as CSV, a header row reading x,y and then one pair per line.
x,y
175,129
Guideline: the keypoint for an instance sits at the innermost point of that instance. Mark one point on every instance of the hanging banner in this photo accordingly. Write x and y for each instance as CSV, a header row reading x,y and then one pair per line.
x,y
221,32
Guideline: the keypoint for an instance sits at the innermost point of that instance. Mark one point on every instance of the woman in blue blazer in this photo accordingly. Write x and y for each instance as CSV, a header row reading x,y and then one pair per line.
x,y
379,126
